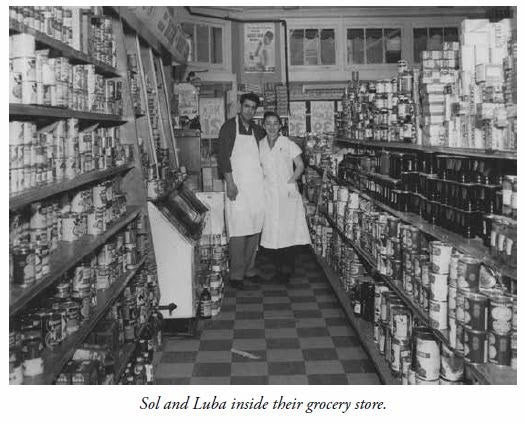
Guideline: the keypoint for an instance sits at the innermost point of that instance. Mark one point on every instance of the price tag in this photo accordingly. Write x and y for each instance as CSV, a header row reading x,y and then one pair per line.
x,y
211,111
322,116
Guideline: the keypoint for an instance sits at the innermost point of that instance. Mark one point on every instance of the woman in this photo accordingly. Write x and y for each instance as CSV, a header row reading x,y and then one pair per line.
x,y
284,218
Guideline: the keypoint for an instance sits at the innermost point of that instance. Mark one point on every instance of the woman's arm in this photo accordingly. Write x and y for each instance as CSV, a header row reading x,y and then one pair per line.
x,y
299,168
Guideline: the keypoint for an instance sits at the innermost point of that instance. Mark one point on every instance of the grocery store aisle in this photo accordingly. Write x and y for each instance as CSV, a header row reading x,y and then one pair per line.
x,y
294,334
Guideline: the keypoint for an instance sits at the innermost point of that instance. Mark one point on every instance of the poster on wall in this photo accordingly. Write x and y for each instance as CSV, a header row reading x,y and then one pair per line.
x,y
297,121
259,48
211,113
322,116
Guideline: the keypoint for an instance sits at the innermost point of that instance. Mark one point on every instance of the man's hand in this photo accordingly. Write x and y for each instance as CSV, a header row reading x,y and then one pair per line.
x,y
231,190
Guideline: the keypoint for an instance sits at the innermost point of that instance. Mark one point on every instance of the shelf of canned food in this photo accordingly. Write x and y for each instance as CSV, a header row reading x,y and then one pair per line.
x,y
363,328
473,247
510,155
64,49
35,194
54,360
64,258
26,111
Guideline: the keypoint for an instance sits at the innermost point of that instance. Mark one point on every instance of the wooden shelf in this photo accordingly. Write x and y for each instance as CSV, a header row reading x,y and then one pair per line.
x,y
64,50
471,152
64,258
472,246
492,374
25,111
55,360
125,354
35,194
363,328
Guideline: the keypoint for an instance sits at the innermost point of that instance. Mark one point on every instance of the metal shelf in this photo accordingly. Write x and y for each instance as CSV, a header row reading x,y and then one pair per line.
x,y
64,258
55,360
25,111
35,194
492,374
63,49
363,328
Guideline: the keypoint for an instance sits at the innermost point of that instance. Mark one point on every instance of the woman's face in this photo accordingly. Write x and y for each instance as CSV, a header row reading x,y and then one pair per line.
x,y
272,126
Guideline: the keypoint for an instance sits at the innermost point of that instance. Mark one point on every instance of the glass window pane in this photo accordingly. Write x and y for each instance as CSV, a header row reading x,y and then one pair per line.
x,y
355,46
216,45
311,47
328,47
392,45
297,47
451,34
374,45
435,39
420,43
203,44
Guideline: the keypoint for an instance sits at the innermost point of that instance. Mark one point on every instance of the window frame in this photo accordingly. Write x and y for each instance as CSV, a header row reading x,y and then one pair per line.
x,y
319,27
416,60
394,26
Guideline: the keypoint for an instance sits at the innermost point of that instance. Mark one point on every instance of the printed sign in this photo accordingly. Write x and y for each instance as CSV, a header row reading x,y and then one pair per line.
x,y
259,48
322,116
297,121
211,116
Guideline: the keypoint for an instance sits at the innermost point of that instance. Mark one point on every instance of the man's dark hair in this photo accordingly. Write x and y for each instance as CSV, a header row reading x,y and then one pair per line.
x,y
270,114
250,96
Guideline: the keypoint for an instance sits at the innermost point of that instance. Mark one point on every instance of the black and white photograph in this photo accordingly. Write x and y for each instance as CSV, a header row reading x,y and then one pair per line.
x,y
264,195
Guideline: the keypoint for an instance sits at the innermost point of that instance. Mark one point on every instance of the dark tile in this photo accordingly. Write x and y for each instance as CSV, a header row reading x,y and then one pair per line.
x,y
275,293
178,356
287,368
172,381
323,291
249,315
276,306
248,333
298,314
249,300
302,299
329,304
311,354
216,345
336,321
299,285
249,380
228,307
236,358
345,341
282,343
327,379
212,369
219,324
312,332
279,323
358,366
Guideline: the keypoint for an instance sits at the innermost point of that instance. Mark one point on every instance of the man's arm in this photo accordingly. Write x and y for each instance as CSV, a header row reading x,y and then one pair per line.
x,y
226,143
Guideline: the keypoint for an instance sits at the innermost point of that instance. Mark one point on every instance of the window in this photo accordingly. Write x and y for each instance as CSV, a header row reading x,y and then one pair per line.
x,y
312,47
373,45
432,39
205,43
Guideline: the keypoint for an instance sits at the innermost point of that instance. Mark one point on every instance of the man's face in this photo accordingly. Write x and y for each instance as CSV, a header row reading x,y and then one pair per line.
x,y
248,109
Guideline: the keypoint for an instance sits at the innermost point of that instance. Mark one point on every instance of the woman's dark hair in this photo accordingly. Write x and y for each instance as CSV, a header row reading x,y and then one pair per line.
x,y
270,114
250,96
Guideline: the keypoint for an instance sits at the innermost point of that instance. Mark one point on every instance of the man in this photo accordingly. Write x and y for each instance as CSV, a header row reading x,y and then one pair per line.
x,y
239,163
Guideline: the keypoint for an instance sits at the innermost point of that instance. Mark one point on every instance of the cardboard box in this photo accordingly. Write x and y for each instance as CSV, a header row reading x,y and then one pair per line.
x,y
482,54
491,74
214,221
475,25
218,185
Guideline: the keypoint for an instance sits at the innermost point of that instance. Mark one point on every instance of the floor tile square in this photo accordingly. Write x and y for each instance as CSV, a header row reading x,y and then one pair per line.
x,y
311,322
210,380
341,331
289,354
219,324
181,344
349,353
249,307
249,333
299,285
282,343
312,332
238,358
329,304
304,306
276,300
280,333
324,367
212,369
337,321
358,366
288,380
250,368
248,324
172,381
279,323
331,312
303,299
216,345
249,315
327,299
169,370
249,344
178,356
346,341
363,379
287,368
275,293
321,379
213,357
249,380
323,291
302,292
316,342
217,334
316,354
249,300
279,314
226,308
299,314
276,306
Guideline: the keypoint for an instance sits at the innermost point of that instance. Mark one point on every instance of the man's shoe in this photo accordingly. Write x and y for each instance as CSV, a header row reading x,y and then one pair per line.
x,y
236,284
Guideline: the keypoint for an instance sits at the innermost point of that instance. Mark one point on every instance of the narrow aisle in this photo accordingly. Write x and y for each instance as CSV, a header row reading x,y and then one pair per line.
x,y
298,333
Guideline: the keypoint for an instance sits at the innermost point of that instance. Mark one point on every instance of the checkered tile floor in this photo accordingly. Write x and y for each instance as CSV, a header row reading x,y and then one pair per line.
x,y
298,332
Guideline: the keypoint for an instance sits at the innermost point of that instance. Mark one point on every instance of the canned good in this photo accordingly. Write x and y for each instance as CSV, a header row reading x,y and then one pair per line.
x,y
399,350
422,381
72,310
425,272
468,273
440,253
52,329
460,304
406,362
103,277
23,266
476,311
400,322
438,286
460,337
514,350
451,365
427,360
451,300
454,261
411,376
499,349
475,346
437,314
452,330
500,314
32,348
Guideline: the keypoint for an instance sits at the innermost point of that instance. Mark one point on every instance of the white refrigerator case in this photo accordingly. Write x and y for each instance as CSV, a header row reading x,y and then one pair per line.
x,y
175,256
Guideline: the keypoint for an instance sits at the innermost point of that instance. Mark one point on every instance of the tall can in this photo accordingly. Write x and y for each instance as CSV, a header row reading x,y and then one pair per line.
x,y
451,365
440,253
427,360
499,349
476,311
468,272
500,314
475,346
